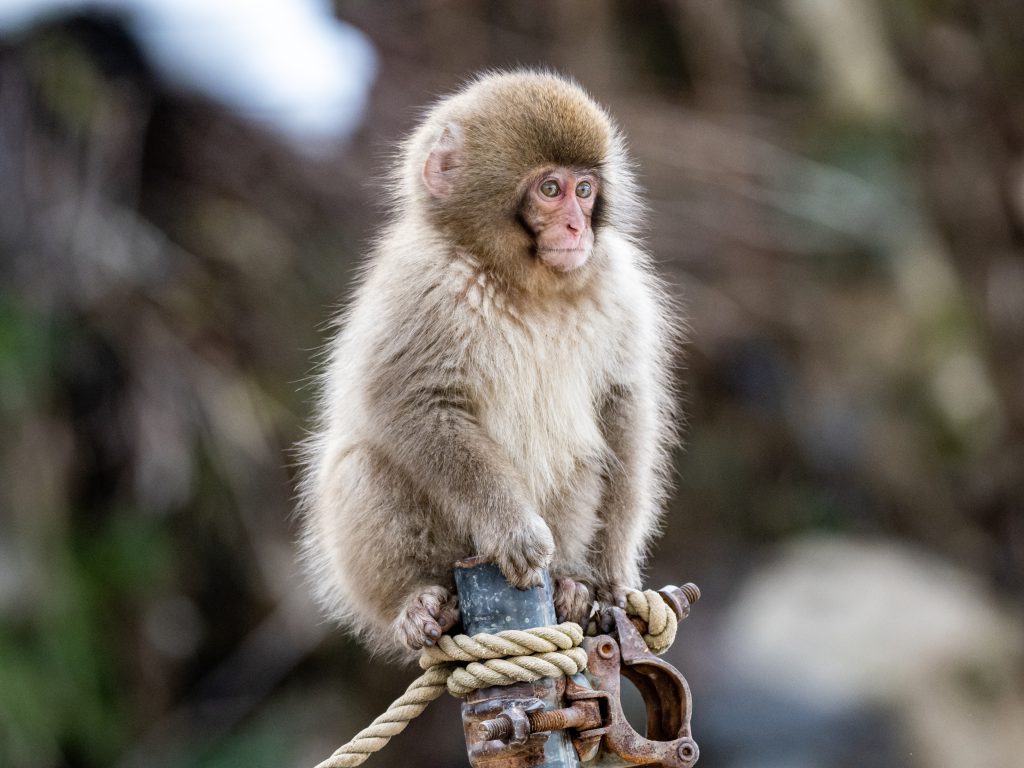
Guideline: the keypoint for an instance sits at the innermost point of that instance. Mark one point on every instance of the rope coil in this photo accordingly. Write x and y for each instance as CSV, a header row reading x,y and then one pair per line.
x,y
512,656
461,664
661,620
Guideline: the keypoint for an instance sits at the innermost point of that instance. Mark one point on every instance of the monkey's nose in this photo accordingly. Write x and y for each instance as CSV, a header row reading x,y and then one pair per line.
x,y
573,235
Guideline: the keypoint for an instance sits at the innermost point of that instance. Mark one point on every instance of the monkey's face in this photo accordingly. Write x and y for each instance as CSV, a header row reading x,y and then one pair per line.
x,y
523,171
557,210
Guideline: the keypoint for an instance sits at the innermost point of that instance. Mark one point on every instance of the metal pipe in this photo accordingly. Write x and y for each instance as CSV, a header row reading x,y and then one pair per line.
x,y
489,604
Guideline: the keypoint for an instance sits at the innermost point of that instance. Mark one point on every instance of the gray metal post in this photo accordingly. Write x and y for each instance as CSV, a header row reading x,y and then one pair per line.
x,y
489,604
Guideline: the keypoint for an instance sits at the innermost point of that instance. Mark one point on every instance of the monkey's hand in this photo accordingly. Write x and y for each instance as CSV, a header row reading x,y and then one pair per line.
x,y
428,613
573,600
522,553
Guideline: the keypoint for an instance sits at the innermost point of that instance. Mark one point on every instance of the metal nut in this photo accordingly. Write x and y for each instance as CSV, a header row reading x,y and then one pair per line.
x,y
688,751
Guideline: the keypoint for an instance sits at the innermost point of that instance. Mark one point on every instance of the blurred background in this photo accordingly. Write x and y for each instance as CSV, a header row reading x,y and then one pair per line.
x,y
837,196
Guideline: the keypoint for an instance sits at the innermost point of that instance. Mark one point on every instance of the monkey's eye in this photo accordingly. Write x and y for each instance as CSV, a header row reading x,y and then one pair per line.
x,y
550,188
584,189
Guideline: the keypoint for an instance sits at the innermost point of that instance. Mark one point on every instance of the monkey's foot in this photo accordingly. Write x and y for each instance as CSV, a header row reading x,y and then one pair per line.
x,y
573,600
427,615
612,595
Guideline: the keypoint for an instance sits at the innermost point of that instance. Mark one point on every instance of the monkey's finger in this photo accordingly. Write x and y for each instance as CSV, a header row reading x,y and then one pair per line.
x,y
531,577
449,614
534,577
513,567
429,631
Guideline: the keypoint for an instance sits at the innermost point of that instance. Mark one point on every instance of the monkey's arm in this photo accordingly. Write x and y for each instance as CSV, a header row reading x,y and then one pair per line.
x,y
633,492
428,426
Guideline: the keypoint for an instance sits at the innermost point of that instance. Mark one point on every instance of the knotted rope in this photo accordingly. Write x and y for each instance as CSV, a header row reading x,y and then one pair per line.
x,y
661,620
462,664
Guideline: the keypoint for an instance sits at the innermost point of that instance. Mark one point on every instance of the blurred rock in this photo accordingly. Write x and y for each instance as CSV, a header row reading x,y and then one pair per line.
x,y
860,652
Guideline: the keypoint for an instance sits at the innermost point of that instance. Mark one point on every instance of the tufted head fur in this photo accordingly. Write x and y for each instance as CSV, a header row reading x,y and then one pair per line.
x,y
499,131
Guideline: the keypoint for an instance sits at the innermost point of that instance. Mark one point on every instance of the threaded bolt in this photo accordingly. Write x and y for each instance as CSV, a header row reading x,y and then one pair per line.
x,y
580,715
680,599
692,591
498,728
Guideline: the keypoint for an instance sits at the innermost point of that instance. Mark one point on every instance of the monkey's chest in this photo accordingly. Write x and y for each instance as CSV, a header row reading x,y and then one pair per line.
x,y
539,405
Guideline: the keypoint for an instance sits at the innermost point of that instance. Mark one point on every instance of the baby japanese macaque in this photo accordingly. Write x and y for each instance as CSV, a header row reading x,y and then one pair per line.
x,y
500,381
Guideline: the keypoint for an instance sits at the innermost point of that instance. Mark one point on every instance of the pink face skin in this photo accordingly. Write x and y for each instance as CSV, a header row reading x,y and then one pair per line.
x,y
558,207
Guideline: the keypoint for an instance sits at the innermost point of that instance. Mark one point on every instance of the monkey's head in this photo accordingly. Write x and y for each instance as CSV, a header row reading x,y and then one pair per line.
x,y
524,171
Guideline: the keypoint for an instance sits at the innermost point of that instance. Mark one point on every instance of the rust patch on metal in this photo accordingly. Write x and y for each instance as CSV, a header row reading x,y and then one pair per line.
x,y
487,704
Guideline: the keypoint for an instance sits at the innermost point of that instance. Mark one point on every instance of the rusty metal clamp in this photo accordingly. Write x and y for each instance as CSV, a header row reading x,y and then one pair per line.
x,y
511,732
668,741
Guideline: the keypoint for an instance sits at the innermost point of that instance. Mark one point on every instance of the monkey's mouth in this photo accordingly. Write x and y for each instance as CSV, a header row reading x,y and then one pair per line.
x,y
564,259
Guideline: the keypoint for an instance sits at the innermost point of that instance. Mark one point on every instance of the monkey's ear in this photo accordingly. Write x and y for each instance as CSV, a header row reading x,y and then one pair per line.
x,y
443,162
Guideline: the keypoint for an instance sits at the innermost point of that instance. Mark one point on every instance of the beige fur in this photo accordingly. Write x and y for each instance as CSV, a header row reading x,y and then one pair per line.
x,y
477,401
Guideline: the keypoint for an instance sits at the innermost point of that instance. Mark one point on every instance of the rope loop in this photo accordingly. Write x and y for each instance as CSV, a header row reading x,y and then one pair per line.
x,y
515,669
661,620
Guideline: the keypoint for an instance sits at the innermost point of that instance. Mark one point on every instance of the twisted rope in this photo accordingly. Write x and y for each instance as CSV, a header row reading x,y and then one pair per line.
x,y
512,656
661,621
406,708
462,664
